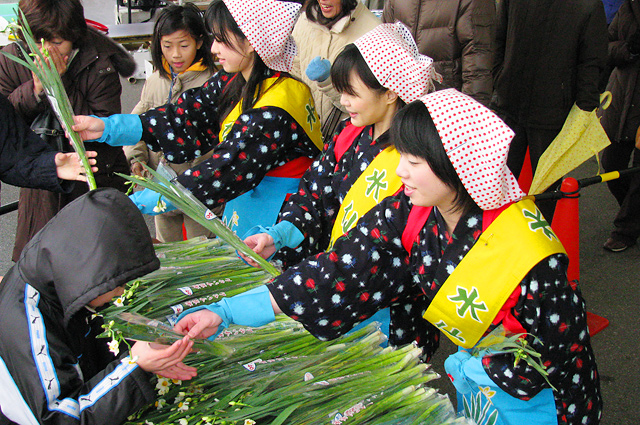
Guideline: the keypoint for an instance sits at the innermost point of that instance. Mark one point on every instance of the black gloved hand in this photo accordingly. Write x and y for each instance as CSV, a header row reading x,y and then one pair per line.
x,y
633,43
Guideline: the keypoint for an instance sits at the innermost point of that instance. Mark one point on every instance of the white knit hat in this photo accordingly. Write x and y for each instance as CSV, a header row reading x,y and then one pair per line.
x,y
477,143
392,55
267,24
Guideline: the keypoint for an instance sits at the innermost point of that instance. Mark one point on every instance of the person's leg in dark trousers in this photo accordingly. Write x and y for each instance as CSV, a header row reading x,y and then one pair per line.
x,y
615,157
627,221
517,148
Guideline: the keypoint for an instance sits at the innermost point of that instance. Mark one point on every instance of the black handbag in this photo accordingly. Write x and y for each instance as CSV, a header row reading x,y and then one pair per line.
x,y
47,126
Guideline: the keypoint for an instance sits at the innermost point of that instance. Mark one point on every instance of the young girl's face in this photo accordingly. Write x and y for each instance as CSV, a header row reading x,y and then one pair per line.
x,y
366,106
179,50
237,57
422,185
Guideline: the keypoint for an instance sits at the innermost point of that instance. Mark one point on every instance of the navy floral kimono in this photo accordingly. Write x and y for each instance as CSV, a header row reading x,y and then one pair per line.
x,y
259,141
314,208
369,269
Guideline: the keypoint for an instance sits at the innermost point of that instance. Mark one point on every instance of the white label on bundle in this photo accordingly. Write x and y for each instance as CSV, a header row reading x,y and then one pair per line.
x,y
186,290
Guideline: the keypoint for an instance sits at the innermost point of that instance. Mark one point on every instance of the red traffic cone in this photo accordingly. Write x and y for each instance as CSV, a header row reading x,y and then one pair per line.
x,y
526,174
566,225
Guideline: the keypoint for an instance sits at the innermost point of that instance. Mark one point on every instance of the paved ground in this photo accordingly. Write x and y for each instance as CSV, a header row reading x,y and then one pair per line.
x,y
610,282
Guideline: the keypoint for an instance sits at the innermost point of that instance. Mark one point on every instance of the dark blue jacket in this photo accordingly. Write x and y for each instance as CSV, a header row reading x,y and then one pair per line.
x,y
25,159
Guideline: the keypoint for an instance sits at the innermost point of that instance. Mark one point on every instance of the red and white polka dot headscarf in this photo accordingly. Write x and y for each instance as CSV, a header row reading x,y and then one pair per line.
x,y
392,55
477,143
267,24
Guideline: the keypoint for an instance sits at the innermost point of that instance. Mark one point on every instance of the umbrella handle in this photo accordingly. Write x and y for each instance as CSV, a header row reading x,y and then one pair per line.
x,y
605,99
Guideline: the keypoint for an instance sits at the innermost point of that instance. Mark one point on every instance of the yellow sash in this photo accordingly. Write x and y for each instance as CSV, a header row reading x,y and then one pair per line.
x,y
474,293
377,182
290,95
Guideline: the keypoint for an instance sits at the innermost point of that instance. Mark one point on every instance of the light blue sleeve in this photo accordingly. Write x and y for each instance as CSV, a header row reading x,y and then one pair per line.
x,y
121,130
252,308
284,234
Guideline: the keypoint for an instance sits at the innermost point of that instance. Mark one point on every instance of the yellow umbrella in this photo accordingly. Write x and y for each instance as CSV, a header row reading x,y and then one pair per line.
x,y
581,137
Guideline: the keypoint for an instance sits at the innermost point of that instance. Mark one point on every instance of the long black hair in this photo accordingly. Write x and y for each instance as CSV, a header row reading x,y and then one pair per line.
x,y
314,12
413,132
350,59
221,25
175,18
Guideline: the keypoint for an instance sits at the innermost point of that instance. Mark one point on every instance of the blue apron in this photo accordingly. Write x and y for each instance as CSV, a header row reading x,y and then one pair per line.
x,y
260,206
480,399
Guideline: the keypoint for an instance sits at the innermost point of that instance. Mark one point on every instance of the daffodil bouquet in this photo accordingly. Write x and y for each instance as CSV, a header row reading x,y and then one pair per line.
x,y
195,272
192,273
280,374
500,341
275,374
36,60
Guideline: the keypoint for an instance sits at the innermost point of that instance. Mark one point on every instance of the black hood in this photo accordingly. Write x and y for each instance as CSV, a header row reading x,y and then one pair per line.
x,y
96,243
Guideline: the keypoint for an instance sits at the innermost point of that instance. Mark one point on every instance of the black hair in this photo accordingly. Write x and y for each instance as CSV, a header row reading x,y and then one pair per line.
x,y
49,19
221,25
413,132
351,60
175,18
314,12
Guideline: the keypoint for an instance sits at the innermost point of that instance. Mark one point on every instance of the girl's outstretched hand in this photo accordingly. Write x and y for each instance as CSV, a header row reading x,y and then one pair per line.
x,y
200,324
262,244
89,128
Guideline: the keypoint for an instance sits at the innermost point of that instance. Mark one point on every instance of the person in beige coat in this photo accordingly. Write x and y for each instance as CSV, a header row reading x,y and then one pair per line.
x,y
181,58
321,33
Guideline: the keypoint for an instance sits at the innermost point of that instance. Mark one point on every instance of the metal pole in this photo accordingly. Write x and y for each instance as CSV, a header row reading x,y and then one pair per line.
x,y
5,209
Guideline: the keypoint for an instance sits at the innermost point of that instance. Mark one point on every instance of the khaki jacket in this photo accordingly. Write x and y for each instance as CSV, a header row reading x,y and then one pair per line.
x,y
314,40
155,93
457,34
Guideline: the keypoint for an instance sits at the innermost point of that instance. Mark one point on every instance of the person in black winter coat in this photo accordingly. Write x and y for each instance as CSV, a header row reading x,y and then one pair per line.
x,y
549,55
621,121
88,63
52,368
27,161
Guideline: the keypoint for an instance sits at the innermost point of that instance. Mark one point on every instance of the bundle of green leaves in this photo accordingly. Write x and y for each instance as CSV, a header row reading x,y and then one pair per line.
x,y
275,374
183,199
281,374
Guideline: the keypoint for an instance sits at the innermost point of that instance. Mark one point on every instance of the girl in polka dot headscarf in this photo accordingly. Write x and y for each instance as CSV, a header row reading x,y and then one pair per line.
x,y
357,167
460,253
260,122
